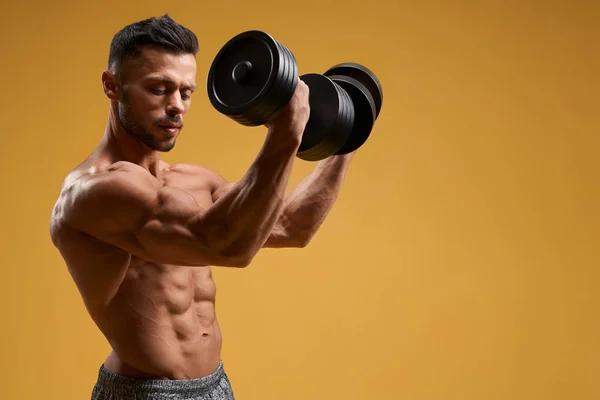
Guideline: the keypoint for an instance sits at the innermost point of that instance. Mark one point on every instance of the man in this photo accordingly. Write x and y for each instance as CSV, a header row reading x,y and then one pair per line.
x,y
139,236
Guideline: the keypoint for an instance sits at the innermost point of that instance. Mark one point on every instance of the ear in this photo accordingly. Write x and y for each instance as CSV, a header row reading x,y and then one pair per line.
x,y
110,85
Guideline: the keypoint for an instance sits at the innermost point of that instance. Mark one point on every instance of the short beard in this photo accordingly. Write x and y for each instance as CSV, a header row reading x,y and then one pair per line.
x,y
128,123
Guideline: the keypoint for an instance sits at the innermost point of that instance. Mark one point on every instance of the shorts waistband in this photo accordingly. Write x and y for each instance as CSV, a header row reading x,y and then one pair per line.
x,y
125,385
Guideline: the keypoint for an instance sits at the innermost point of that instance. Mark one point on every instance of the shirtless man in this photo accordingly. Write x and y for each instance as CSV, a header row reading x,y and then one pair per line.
x,y
139,236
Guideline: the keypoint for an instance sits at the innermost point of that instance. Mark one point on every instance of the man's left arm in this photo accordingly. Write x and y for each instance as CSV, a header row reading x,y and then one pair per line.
x,y
308,203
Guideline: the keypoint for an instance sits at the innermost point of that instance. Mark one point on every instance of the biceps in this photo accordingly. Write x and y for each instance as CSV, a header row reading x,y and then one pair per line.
x,y
171,243
160,229
175,234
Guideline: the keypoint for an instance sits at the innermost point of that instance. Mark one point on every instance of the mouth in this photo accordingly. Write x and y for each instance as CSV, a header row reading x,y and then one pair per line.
x,y
172,129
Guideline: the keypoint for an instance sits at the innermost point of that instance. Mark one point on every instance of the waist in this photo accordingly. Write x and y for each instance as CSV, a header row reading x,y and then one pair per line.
x,y
165,353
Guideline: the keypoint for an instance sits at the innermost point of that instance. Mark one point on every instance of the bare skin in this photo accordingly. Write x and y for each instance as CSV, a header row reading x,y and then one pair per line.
x,y
139,236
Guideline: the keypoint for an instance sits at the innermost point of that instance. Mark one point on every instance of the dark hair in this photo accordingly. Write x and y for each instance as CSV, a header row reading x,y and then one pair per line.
x,y
159,32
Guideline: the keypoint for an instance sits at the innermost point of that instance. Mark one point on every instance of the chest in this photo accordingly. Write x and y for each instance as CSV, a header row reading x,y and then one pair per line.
x,y
200,187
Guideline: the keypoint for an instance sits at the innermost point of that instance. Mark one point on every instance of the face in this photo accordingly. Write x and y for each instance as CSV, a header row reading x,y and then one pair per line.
x,y
156,91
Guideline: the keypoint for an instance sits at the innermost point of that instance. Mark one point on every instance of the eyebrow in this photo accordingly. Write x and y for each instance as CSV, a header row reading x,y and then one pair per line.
x,y
169,81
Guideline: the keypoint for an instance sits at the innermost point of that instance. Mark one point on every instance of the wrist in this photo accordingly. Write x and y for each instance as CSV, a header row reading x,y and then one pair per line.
x,y
285,133
280,141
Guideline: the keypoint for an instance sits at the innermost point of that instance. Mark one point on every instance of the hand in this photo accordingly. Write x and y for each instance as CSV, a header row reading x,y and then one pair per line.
x,y
295,115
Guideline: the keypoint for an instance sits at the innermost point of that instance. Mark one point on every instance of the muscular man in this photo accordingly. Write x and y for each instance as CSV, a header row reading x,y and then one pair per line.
x,y
139,236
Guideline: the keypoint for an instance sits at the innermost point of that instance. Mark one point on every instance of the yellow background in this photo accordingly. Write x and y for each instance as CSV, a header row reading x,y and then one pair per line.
x,y
462,259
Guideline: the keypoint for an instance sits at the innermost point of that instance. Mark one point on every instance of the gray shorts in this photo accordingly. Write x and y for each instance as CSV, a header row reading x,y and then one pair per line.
x,y
110,386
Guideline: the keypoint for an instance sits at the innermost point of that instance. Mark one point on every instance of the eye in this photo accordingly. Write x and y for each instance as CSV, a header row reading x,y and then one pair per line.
x,y
157,92
186,96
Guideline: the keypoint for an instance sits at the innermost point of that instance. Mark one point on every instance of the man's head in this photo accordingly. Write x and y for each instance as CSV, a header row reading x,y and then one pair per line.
x,y
151,75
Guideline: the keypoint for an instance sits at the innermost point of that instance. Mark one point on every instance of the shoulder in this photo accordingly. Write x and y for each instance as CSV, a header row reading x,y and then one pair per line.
x,y
93,177
117,181
88,194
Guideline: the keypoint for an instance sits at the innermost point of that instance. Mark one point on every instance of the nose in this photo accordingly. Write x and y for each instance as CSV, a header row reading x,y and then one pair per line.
x,y
175,106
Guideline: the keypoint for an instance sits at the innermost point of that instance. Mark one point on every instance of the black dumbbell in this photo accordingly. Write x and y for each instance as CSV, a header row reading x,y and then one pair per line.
x,y
253,78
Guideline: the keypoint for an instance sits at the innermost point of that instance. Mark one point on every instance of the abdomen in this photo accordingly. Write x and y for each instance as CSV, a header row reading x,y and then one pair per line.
x,y
162,321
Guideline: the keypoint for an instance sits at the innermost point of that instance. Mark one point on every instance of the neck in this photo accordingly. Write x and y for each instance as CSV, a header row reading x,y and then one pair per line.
x,y
120,145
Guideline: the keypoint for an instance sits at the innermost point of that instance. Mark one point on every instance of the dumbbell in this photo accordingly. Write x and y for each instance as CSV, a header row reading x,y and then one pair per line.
x,y
253,77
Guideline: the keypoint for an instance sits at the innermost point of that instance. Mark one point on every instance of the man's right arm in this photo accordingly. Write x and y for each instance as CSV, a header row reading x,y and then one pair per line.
x,y
128,208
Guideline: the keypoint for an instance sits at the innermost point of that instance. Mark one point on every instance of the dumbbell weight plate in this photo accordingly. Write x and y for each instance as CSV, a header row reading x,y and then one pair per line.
x,y
364,112
287,82
364,76
251,78
331,118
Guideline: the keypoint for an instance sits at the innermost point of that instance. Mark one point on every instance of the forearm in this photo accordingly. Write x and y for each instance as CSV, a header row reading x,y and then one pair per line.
x,y
309,203
242,219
